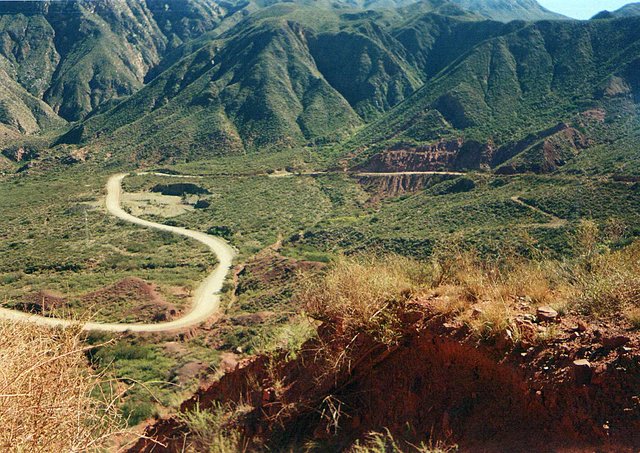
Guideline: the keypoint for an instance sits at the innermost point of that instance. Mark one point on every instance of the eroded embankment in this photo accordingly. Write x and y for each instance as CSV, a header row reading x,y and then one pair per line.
x,y
437,380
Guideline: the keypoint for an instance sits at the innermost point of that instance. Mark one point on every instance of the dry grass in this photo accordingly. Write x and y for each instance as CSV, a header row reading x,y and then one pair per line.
x,y
365,293
48,394
362,292
488,296
213,430
633,315
609,282
385,443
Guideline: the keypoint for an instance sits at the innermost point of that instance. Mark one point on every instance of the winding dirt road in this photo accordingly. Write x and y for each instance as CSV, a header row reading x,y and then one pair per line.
x,y
206,300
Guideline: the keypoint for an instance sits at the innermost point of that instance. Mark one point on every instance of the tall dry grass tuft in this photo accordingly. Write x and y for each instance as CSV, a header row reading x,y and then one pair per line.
x,y
359,292
48,394
610,283
366,293
385,443
214,430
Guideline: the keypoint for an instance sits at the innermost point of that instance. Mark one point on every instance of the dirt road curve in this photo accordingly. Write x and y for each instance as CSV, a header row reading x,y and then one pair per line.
x,y
206,300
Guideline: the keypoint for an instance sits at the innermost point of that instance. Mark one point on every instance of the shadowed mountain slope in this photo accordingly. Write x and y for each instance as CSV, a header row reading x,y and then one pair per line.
x,y
517,84
283,78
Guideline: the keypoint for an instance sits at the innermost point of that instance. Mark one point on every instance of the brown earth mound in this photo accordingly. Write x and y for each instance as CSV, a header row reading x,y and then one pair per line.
x,y
130,297
576,392
42,301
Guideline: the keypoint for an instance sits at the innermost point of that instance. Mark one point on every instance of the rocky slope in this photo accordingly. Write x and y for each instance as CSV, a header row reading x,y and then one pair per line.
x,y
575,393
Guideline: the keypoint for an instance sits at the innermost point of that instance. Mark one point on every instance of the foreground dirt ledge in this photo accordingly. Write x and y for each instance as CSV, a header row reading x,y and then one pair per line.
x,y
579,390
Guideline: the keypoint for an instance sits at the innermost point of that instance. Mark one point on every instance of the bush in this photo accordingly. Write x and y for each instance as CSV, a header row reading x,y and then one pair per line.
x,y
46,401
362,293
610,283
213,429
458,185
135,412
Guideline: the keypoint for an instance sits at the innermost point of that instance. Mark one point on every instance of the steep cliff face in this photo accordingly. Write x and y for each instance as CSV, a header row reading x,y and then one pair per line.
x,y
441,156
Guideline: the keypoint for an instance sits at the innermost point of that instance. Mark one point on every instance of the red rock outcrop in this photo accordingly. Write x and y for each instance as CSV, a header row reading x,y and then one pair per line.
x,y
444,155
567,395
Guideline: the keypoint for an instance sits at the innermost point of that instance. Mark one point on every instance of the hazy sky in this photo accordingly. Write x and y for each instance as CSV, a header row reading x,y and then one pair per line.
x,y
582,9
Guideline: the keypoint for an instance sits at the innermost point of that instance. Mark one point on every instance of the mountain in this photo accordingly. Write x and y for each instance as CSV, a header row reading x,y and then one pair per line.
x,y
82,57
282,78
632,9
508,10
22,112
176,80
78,55
507,88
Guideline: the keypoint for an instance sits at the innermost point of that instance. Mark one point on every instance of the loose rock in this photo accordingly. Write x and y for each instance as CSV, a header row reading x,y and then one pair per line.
x,y
582,371
547,314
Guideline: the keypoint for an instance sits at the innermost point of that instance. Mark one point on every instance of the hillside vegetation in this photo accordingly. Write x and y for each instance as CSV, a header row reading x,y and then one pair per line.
x,y
457,335
435,208
425,74
83,58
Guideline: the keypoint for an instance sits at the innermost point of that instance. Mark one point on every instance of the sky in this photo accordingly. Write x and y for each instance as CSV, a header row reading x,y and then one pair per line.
x,y
582,9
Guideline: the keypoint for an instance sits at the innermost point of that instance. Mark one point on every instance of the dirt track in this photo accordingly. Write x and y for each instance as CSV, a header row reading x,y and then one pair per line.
x,y
206,300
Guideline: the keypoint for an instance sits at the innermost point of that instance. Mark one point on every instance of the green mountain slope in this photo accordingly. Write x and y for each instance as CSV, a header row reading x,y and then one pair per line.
x,y
106,49
22,112
27,51
260,89
287,76
516,84
83,56
78,55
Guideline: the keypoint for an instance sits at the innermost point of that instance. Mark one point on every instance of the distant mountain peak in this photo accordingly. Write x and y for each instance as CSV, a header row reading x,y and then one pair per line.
x,y
632,9
508,10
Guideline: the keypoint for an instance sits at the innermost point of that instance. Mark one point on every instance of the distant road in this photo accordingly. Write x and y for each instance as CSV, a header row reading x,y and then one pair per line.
x,y
287,174
374,174
206,300
554,221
